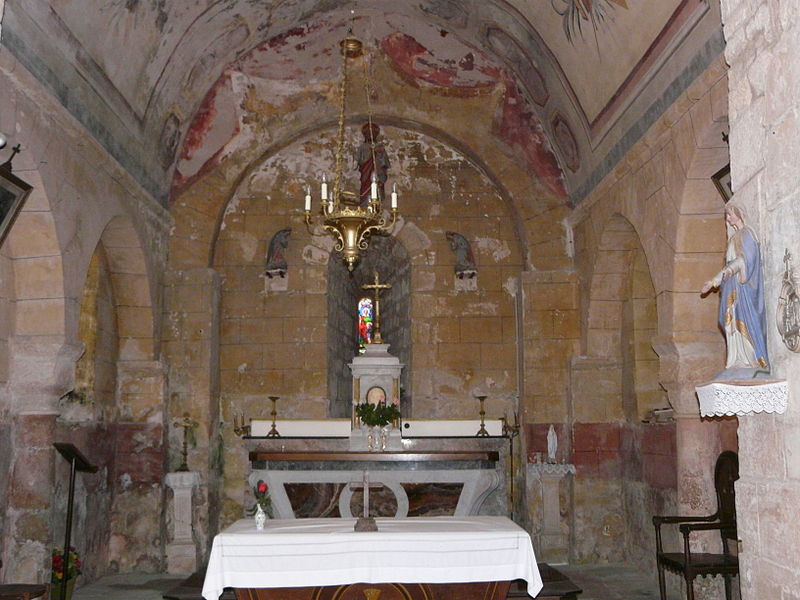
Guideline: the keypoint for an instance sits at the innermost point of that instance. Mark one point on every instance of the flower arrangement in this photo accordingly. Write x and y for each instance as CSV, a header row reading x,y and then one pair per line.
x,y
261,492
73,565
378,415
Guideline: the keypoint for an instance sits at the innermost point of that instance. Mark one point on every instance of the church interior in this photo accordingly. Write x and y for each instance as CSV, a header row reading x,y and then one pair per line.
x,y
549,181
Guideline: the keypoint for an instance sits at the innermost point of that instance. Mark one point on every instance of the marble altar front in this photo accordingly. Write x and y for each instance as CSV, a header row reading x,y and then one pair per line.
x,y
312,477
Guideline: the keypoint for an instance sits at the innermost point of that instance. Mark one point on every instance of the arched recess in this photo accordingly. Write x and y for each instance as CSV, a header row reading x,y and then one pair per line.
x,y
116,324
622,322
132,290
614,390
387,257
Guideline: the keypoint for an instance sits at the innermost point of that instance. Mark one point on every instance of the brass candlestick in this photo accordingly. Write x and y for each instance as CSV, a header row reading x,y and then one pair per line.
x,y
482,431
187,424
239,427
273,432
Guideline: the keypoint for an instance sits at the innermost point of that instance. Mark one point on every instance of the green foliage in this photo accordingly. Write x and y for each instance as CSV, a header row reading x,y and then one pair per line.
x,y
377,415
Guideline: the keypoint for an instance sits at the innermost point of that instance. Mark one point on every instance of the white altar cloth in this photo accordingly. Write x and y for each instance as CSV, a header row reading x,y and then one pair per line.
x,y
317,552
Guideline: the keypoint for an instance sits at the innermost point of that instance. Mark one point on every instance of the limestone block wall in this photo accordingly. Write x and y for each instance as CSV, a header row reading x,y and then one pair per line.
x,y
81,199
764,77
191,350
276,341
644,240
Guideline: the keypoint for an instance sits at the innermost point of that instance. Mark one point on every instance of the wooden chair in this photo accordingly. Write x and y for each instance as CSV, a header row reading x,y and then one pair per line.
x,y
691,564
21,591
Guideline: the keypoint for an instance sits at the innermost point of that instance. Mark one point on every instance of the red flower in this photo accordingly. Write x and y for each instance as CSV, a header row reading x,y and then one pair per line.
x,y
262,487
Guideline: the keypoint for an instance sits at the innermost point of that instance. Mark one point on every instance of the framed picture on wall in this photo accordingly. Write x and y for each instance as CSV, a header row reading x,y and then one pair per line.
x,y
722,179
13,192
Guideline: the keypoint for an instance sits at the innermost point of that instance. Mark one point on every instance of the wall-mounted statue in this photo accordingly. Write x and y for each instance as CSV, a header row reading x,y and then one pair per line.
x,y
465,260
276,254
371,158
741,310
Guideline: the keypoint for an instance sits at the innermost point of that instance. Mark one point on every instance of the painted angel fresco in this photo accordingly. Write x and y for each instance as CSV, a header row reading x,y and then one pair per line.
x,y
576,13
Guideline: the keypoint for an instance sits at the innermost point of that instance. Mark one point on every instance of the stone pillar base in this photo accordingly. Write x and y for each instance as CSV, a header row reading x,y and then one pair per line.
x,y
181,558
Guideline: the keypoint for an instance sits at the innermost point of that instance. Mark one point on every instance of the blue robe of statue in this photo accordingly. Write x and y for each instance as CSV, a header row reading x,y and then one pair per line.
x,y
741,309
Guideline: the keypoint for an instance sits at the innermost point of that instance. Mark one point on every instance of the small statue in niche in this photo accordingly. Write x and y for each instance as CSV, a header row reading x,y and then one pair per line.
x,y
742,316
465,260
276,255
371,158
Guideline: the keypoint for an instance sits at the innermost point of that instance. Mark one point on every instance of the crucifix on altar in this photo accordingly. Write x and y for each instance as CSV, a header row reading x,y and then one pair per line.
x,y
376,373
376,287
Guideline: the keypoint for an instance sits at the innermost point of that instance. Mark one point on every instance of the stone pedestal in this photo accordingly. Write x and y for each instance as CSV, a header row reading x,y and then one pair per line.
x,y
376,368
181,551
553,539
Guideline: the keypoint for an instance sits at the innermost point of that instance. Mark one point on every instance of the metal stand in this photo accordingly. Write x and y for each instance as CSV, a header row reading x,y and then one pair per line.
x,y
511,431
273,432
77,463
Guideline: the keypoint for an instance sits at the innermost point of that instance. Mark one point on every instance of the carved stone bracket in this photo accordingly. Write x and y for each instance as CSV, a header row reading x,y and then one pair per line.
x,y
743,397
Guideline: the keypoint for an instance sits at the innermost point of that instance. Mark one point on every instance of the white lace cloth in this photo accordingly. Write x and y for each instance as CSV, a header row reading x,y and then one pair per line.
x,y
317,552
721,399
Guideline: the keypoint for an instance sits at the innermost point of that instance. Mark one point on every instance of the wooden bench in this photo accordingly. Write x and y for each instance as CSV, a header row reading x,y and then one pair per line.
x,y
557,586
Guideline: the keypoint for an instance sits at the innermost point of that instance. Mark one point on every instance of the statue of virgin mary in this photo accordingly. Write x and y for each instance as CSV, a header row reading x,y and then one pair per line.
x,y
741,309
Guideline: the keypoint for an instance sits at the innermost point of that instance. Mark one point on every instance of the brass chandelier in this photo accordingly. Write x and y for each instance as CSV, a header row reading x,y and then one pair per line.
x,y
343,214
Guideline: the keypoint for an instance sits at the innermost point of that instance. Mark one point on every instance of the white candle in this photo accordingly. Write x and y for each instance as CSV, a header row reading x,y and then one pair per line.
x,y
308,198
394,195
374,188
324,191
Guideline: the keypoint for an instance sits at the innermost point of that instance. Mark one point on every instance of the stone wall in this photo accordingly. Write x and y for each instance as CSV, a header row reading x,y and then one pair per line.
x,y
277,341
764,78
81,200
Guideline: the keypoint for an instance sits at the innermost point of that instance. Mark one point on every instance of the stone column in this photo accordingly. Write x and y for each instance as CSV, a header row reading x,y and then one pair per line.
x,y
181,551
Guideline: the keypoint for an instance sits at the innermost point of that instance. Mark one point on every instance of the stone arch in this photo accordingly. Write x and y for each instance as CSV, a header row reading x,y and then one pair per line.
x,y
132,291
622,322
200,210
40,361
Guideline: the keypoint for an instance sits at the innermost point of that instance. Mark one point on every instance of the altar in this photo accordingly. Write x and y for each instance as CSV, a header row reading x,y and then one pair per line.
x,y
309,555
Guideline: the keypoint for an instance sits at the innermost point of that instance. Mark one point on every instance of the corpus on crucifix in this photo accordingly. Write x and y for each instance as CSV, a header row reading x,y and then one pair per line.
x,y
377,286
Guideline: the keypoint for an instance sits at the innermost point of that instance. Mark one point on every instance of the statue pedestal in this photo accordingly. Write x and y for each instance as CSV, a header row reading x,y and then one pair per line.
x,y
181,551
553,538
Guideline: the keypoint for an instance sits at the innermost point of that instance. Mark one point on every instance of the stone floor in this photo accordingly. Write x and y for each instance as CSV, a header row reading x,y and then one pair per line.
x,y
599,582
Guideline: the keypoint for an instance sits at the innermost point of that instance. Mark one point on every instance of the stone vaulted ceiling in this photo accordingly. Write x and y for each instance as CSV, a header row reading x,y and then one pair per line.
x,y
167,86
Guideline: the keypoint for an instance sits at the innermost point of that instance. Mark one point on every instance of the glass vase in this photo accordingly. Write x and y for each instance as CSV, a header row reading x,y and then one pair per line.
x,y
384,436
260,518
